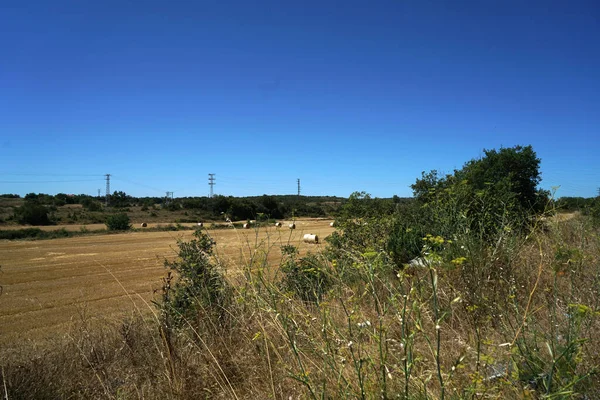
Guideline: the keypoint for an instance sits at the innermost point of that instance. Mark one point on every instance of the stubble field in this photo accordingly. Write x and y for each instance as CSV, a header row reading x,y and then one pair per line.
x,y
49,284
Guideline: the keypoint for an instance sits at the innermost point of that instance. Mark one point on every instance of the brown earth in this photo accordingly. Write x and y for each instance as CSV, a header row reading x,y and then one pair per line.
x,y
48,284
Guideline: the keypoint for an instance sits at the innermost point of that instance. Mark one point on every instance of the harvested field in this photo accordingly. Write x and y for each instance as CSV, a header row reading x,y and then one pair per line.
x,y
47,284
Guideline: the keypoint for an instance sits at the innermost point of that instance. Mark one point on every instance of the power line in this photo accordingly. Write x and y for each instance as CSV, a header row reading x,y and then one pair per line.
x,y
137,183
67,181
57,175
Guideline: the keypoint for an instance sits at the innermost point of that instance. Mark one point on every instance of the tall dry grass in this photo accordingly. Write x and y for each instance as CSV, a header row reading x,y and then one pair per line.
x,y
517,318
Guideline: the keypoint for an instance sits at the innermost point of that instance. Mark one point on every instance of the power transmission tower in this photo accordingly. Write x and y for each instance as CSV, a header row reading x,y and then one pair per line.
x,y
98,193
298,187
168,198
211,183
107,189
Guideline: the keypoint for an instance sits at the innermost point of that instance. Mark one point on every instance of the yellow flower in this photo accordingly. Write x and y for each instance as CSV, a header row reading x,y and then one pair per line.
x,y
459,261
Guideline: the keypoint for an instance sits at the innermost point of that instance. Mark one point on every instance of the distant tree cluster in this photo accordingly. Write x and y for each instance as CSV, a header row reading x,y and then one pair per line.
x,y
269,206
215,208
571,204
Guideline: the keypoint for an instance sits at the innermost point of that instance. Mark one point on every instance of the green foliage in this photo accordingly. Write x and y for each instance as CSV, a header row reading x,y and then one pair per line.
x,y
33,233
91,205
199,290
498,191
306,277
404,243
517,168
118,222
361,206
32,213
575,203
364,225
241,210
173,206
62,198
120,199
40,198
271,207
594,212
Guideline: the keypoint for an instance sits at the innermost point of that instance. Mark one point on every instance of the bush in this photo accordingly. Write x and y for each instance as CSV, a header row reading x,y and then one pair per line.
x,y
21,233
91,205
118,222
33,214
33,233
305,277
200,290
595,213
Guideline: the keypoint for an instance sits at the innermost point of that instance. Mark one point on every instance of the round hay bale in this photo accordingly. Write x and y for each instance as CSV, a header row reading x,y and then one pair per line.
x,y
246,226
332,224
310,238
144,224
200,224
278,224
292,226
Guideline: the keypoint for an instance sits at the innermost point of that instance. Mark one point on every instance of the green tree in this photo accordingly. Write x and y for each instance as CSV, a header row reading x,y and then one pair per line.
x,y
90,204
118,222
517,167
497,190
120,199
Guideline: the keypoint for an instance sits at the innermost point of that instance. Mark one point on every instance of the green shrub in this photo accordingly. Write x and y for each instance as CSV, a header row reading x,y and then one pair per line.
x,y
33,233
404,243
21,233
118,222
594,212
200,289
33,214
91,205
306,277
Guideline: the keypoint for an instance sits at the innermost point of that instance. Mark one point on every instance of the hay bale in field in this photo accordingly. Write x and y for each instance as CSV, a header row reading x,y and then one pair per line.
x,y
278,224
246,226
310,238
292,226
144,224
332,224
200,224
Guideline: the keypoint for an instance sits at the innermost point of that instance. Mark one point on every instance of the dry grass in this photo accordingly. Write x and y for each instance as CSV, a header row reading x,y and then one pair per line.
x,y
46,283
424,333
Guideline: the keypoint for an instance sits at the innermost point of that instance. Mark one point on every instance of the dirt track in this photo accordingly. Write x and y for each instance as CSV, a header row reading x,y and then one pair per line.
x,y
49,283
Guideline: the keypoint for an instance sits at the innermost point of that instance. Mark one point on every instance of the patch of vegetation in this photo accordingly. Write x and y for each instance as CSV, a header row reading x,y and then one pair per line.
x,y
32,213
33,233
118,222
306,277
200,290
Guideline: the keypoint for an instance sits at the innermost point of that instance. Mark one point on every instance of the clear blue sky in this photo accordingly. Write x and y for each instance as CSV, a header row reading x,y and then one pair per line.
x,y
346,95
